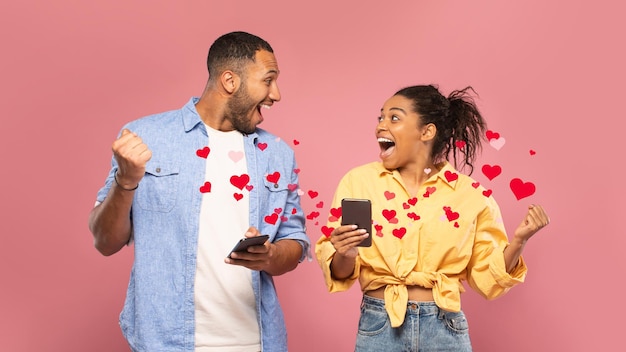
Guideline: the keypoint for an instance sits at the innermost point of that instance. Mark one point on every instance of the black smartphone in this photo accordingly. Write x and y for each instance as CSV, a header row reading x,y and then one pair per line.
x,y
358,212
244,243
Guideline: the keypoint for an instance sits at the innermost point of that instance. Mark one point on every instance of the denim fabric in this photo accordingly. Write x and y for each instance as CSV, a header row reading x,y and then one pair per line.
x,y
158,313
426,328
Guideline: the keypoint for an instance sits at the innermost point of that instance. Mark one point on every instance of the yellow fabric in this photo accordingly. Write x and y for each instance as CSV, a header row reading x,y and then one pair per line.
x,y
437,251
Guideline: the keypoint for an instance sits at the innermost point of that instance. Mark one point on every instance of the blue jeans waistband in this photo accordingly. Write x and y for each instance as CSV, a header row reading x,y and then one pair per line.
x,y
411,306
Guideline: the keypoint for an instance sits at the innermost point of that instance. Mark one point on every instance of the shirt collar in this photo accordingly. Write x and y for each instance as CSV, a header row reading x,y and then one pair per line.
x,y
447,173
191,118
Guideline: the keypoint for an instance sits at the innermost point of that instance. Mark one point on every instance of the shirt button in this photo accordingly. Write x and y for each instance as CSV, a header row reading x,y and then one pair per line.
x,y
158,169
275,185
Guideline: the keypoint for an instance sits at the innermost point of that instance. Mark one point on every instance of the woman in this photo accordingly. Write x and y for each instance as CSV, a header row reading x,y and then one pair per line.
x,y
433,227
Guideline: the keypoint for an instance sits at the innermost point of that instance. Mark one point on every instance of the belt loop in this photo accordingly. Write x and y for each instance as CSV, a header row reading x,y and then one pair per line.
x,y
440,313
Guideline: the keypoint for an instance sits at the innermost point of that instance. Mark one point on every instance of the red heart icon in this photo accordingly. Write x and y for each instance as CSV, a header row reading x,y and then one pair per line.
x,y
451,215
319,205
405,206
206,188
413,216
429,191
296,142
399,232
278,210
327,230
204,152
249,187
294,210
238,196
313,194
379,231
532,152
413,201
389,214
271,219
487,193
273,178
292,187
313,215
297,171
284,218
491,171
262,146
475,184
451,176
240,181
389,195
522,189
460,144
492,135
336,212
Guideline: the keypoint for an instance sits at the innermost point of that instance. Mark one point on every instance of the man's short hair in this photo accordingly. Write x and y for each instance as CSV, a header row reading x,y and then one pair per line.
x,y
232,51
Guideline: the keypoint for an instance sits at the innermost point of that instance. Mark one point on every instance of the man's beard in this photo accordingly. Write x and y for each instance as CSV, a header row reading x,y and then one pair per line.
x,y
237,110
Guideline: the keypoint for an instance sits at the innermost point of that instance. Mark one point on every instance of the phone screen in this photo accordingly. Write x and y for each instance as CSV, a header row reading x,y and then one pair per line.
x,y
244,243
358,212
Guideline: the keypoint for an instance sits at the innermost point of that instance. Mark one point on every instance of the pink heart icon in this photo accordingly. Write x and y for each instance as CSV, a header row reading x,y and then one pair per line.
x,y
235,155
497,143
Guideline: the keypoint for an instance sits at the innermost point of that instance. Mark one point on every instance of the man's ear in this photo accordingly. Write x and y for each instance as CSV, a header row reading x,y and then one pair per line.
x,y
429,132
229,81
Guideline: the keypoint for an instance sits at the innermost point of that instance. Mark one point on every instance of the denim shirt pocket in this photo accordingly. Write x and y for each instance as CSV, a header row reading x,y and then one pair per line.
x,y
158,189
274,202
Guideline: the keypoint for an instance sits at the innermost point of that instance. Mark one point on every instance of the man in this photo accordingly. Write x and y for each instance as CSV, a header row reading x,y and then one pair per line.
x,y
184,187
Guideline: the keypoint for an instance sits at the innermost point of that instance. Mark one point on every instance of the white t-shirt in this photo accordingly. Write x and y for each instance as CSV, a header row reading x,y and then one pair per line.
x,y
225,313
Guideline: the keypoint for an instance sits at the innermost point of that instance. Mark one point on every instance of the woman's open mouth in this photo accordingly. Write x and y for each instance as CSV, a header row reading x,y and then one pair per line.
x,y
387,146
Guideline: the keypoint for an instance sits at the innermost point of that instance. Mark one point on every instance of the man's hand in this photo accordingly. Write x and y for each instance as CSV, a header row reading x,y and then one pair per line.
x,y
131,155
256,257
273,258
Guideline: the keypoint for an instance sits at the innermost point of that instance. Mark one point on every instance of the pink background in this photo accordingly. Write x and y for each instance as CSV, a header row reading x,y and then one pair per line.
x,y
550,77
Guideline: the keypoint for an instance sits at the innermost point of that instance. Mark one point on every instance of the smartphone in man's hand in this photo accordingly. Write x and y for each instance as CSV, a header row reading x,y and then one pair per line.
x,y
244,243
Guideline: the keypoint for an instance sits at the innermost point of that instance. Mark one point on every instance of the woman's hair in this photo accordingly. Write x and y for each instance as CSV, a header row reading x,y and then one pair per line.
x,y
457,120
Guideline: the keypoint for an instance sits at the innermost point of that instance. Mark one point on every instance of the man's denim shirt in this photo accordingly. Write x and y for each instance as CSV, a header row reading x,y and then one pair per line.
x,y
158,313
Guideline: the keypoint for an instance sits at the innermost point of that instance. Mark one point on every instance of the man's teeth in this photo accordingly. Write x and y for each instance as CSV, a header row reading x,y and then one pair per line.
x,y
384,140
265,106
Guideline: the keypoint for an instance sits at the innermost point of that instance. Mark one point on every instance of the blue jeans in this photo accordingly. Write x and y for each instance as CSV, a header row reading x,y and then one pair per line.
x,y
426,328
